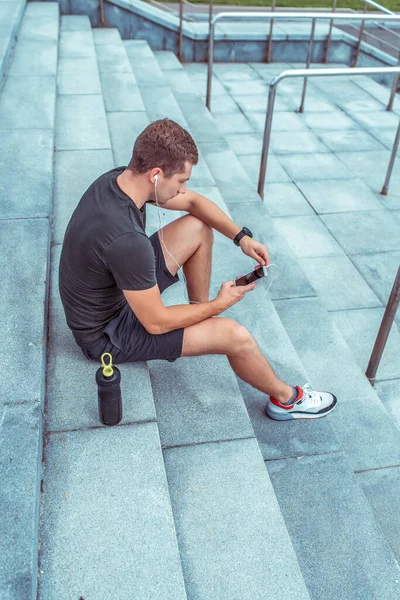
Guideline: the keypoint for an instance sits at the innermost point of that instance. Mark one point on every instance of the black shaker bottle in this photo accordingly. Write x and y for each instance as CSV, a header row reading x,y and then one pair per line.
x,y
108,379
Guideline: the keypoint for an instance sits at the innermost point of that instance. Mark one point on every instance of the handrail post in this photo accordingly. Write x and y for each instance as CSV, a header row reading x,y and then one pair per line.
x,y
267,135
391,162
384,330
102,15
394,88
360,37
210,58
210,15
279,15
271,27
180,43
320,73
328,42
309,56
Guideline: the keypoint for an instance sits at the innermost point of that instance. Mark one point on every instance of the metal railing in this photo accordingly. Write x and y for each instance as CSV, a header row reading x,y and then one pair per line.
x,y
180,41
391,162
102,15
210,13
317,73
367,3
180,44
384,330
279,15
362,32
271,28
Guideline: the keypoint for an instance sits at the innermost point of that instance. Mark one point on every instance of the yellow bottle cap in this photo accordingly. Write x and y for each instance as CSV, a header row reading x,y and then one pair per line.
x,y
108,370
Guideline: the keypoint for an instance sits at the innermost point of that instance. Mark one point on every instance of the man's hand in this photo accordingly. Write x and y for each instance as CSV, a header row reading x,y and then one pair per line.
x,y
255,250
229,293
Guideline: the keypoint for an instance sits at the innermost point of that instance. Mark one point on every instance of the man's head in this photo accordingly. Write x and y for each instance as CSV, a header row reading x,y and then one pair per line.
x,y
166,150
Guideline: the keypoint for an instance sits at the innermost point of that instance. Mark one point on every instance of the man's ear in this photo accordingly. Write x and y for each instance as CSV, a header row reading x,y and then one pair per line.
x,y
155,175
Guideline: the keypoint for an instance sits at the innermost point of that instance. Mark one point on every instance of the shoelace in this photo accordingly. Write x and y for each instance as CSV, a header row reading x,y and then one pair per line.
x,y
312,398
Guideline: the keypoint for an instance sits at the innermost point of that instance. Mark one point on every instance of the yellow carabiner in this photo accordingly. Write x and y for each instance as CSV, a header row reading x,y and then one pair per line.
x,y
108,370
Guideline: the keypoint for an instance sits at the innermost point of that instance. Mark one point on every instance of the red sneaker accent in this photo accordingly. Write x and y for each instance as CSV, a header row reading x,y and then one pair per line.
x,y
288,406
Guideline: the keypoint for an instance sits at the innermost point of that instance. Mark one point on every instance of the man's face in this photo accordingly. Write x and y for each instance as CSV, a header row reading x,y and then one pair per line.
x,y
169,187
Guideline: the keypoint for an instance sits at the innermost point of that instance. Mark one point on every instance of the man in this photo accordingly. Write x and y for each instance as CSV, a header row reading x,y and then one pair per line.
x,y
112,275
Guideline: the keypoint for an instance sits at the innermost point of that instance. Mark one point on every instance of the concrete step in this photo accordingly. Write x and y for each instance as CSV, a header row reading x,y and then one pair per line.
x,y
292,204
210,429
321,243
121,466
11,14
284,200
362,425
365,566
26,172
24,248
344,283
225,167
107,527
82,140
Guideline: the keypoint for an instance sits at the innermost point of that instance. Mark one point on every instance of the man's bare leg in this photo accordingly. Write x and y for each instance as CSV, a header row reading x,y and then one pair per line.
x,y
225,336
189,240
190,243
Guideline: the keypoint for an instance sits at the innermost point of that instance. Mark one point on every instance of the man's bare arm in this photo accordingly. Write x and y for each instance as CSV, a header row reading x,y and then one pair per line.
x,y
205,210
157,318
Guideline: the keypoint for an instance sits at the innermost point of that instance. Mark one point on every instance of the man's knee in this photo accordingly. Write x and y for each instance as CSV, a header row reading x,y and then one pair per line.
x,y
241,340
200,229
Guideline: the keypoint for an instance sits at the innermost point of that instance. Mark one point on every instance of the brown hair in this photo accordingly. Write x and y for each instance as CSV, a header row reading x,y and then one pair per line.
x,y
163,144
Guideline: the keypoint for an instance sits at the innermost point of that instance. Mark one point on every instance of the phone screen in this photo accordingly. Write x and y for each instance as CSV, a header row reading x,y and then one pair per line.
x,y
255,275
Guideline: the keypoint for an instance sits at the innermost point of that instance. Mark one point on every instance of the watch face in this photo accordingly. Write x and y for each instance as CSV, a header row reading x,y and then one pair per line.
x,y
247,231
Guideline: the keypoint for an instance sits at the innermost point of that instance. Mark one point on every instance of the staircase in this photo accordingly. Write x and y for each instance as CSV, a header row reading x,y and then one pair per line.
x,y
196,493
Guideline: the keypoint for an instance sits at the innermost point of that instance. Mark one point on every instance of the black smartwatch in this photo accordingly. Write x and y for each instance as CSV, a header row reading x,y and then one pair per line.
x,y
241,234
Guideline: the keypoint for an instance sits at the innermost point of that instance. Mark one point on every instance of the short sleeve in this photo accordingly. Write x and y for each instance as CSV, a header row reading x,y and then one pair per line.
x,y
130,258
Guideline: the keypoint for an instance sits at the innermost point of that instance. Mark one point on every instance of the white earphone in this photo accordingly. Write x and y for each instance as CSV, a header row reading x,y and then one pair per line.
x,y
173,258
161,229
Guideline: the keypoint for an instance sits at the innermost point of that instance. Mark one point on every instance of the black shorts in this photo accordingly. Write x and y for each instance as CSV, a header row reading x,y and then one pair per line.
x,y
127,340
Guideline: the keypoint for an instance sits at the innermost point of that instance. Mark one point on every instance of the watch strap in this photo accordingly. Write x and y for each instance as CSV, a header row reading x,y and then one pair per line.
x,y
240,235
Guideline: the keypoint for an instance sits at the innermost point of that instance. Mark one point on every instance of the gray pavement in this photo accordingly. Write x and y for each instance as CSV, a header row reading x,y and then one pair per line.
x,y
27,99
380,36
345,236
182,426
325,199
196,494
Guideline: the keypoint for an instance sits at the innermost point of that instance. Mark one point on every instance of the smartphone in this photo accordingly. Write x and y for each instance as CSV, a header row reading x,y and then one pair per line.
x,y
255,275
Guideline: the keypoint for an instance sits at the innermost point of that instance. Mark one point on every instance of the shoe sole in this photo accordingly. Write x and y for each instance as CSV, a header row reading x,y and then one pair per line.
x,y
288,416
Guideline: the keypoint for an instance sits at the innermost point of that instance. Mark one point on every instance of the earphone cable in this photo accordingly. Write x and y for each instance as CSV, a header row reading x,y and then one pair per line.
x,y
180,267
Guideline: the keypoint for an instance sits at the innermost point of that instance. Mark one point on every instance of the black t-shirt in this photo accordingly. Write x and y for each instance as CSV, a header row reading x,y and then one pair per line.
x,y
105,250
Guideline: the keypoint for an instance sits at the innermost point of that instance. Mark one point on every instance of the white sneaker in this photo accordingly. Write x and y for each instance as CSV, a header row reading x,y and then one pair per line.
x,y
308,405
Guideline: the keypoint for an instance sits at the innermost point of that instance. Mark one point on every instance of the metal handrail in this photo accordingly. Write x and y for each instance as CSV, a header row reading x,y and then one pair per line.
x,y
366,2
384,330
210,20
355,61
180,39
395,84
180,44
315,73
385,11
367,33
391,162
271,27
308,63
102,15
394,88
277,15
328,41
379,7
